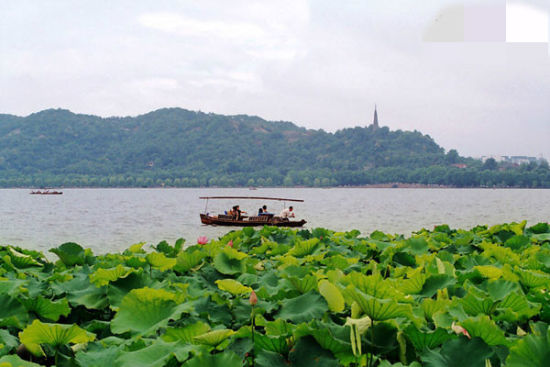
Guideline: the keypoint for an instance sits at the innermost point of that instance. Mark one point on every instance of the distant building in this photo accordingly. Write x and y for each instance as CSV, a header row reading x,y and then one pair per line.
x,y
459,165
513,159
375,120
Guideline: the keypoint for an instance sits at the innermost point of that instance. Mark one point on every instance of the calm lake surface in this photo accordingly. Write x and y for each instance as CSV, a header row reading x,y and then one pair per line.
x,y
109,220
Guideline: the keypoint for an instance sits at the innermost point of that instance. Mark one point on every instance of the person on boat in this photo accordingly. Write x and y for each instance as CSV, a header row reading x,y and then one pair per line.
x,y
237,212
287,213
263,211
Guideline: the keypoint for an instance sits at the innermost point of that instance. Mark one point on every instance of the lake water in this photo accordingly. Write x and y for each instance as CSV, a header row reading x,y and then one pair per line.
x,y
108,220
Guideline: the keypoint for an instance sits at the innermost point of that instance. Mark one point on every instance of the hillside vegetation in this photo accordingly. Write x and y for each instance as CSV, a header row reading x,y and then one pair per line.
x,y
177,147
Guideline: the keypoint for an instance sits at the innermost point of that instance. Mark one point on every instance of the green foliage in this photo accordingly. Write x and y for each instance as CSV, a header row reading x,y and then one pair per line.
x,y
441,298
176,147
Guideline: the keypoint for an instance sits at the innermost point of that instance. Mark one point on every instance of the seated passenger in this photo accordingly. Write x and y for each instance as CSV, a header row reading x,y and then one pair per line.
x,y
287,213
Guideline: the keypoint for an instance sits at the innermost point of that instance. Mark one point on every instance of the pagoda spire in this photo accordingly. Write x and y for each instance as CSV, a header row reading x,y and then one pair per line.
x,y
375,121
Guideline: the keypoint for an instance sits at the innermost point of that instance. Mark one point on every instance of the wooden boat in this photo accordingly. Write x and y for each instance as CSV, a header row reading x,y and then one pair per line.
x,y
260,220
46,192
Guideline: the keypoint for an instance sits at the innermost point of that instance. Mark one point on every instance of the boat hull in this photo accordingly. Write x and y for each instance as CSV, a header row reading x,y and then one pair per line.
x,y
279,222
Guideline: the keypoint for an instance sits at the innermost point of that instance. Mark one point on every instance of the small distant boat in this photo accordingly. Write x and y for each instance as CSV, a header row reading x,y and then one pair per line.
x,y
46,192
260,220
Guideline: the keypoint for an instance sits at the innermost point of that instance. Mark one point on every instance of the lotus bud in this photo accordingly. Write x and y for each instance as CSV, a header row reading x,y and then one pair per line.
x,y
230,243
460,330
202,240
253,298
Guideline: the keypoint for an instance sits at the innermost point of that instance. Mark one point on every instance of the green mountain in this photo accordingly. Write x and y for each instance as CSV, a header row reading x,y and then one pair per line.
x,y
177,147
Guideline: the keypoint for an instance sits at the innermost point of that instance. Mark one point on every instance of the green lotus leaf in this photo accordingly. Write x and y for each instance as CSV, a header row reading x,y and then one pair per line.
x,y
188,260
332,295
304,284
229,261
414,284
98,356
160,261
489,271
102,277
8,342
146,310
11,287
376,308
307,352
21,260
70,254
540,228
47,308
303,308
52,334
331,336
458,352
266,358
436,282
485,328
12,312
225,359
531,351
276,344
155,355
428,339
533,278
136,248
516,242
431,306
214,337
373,285
16,361
187,333
474,305
118,289
80,291
303,248
232,286
542,237
417,246
278,327
501,288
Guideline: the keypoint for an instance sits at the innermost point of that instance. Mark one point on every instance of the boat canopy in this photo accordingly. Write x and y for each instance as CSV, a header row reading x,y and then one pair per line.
x,y
248,197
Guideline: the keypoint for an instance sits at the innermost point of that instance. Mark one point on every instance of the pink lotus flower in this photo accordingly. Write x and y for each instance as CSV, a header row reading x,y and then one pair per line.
x,y
202,240
230,243
460,330
253,298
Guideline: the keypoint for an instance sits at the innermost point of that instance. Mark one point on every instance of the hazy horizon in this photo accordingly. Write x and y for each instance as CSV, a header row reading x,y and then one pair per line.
x,y
475,77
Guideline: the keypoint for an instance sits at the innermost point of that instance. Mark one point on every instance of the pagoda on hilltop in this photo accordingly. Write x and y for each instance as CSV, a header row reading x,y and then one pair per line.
x,y
375,120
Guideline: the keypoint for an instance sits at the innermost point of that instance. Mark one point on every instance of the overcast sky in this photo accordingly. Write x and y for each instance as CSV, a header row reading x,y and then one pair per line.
x,y
320,64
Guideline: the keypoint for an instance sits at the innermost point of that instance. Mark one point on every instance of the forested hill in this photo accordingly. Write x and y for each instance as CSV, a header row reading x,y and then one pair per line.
x,y
177,147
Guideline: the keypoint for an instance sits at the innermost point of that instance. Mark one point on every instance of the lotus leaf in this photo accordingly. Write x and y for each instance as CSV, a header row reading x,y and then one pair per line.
x,y
303,308
213,338
8,342
188,260
303,248
99,356
332,295
155,355
308,352
47,308
52,334
427,339
70,254
103,277
160,261
276,344
531,351
186,333
12,312
229,261
270,359
15,361
226,359
21,260
378,309
145,310
459,353
232,286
